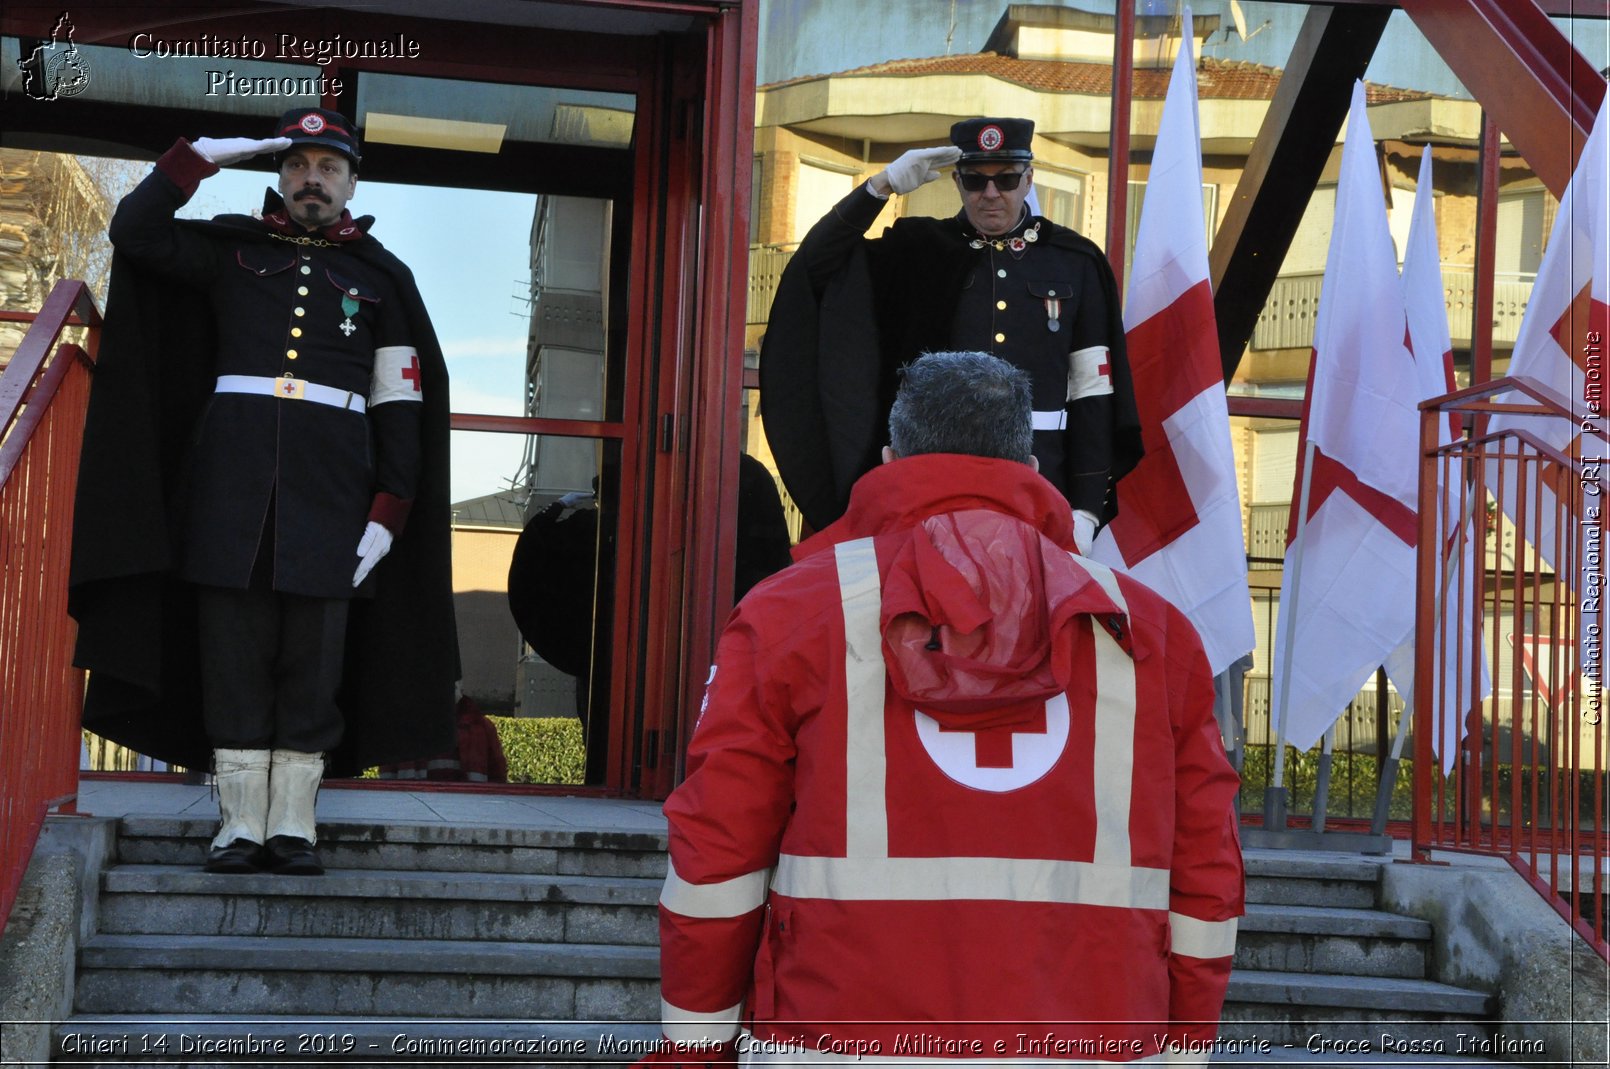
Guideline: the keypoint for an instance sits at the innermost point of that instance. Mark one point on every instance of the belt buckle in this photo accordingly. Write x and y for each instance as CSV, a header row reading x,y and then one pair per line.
x,y
290,388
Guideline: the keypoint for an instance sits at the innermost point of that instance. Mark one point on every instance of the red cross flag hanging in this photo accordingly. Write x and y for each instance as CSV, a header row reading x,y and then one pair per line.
x,y
1178,528
1561,346
1346,598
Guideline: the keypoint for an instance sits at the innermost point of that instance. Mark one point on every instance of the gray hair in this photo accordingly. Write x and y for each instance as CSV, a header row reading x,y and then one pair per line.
x,y
964,402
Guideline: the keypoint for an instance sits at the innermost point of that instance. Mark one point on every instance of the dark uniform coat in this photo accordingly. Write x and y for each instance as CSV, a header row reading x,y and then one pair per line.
x,y
180,483
850,312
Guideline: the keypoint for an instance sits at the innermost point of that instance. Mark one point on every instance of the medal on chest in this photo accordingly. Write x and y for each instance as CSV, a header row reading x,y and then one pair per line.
x,y
349,307
1017,246
1053,314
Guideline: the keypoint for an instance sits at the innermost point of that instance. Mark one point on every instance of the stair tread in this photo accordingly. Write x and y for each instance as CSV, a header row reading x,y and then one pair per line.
x,y
139,825
348,955
1332,920
1309,865
1353,991
389,884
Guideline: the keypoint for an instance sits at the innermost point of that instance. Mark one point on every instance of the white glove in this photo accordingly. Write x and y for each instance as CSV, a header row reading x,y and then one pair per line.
x,y
375,543
913,169
1084,531
575,497
223,151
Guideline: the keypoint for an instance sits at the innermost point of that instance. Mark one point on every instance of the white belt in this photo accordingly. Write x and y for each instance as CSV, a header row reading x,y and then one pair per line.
x,y
291,390
1051,421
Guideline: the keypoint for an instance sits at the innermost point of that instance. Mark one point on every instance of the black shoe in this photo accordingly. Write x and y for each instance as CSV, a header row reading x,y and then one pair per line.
x,y
242,855
289,856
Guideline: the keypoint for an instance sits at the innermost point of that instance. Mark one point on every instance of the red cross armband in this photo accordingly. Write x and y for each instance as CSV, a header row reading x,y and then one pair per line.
x,y
1089,373
397,375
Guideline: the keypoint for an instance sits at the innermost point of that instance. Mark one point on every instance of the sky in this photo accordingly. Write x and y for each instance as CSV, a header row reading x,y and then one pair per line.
x,y
470,251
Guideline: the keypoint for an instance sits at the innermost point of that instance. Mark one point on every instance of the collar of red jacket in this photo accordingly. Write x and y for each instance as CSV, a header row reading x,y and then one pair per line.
x,y
982,601
909,490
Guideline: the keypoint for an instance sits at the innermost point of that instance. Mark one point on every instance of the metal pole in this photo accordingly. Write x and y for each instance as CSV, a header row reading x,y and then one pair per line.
x,y
1322,784
1274,797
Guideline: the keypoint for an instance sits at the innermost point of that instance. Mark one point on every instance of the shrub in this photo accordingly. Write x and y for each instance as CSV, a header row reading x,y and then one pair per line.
x,y
542,749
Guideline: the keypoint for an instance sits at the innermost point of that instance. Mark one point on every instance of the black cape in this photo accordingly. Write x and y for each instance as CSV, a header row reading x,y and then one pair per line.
x,y
829,366
137,621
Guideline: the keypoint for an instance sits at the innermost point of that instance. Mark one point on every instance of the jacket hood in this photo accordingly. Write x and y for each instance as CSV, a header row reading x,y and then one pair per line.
x,y
982,596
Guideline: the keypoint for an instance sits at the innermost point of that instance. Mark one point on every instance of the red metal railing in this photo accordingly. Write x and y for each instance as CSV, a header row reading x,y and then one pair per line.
x,y
1526,776
43,394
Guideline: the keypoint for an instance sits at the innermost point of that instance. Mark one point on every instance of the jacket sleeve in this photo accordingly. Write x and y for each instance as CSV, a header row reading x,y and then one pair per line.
x,y
828,244
143,227
726,821
1088,440
396,415
1206,886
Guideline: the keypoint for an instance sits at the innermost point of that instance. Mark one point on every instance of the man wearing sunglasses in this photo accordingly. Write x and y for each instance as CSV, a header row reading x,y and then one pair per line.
x,y
996,277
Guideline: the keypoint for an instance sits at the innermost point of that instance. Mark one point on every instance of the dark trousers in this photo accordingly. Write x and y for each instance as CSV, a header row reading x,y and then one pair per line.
x,y
270,666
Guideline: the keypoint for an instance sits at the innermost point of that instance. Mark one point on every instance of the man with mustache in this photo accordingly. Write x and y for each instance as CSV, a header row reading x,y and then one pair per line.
x,y
995,277
269,422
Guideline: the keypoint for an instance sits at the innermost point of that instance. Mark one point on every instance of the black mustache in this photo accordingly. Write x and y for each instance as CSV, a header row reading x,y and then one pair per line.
x,y
316,193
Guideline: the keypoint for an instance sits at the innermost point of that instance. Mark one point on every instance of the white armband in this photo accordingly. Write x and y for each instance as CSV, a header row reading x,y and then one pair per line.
x,y
1089,373
397,375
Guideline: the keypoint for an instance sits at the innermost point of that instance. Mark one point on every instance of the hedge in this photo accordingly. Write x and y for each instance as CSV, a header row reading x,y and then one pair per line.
x,y
542,749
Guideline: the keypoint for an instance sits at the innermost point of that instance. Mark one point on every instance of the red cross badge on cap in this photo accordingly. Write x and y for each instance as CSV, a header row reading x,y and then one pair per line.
x,y
313,123
990,138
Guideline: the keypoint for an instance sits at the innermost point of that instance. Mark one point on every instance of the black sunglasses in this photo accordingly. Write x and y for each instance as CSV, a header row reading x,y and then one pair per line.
x,y
974,182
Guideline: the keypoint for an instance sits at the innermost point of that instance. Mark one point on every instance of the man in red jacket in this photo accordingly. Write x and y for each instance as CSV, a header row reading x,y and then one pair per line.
x,y
955,791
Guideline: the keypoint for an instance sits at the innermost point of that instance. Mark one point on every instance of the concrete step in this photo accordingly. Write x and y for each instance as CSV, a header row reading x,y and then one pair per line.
x,y
1315,939
1386,1014
1379,993
382,904
1277,877
134,1039
430,978
174,840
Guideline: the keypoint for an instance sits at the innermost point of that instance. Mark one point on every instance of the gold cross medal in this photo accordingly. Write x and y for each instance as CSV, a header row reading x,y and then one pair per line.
x,y
350,307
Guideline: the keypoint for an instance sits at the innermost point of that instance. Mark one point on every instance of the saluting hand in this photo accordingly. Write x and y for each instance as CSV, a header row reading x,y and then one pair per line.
x,y
224,151
914,169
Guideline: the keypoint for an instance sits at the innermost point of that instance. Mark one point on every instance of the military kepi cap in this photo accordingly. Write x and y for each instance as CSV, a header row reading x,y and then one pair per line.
x,y
316,126
993,140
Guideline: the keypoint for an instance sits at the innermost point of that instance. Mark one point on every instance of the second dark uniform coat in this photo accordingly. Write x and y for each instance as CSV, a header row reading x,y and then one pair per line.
x,y
849,312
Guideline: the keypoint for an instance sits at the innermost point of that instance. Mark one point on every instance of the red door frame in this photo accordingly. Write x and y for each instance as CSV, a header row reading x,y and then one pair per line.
x,y
698,155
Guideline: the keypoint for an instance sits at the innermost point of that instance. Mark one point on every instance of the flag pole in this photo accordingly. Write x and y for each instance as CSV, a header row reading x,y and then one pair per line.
x,y
1322,784
1274,796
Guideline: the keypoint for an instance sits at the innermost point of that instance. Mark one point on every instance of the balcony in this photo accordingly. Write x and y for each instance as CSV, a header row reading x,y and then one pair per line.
x,y
1287,321
766,263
